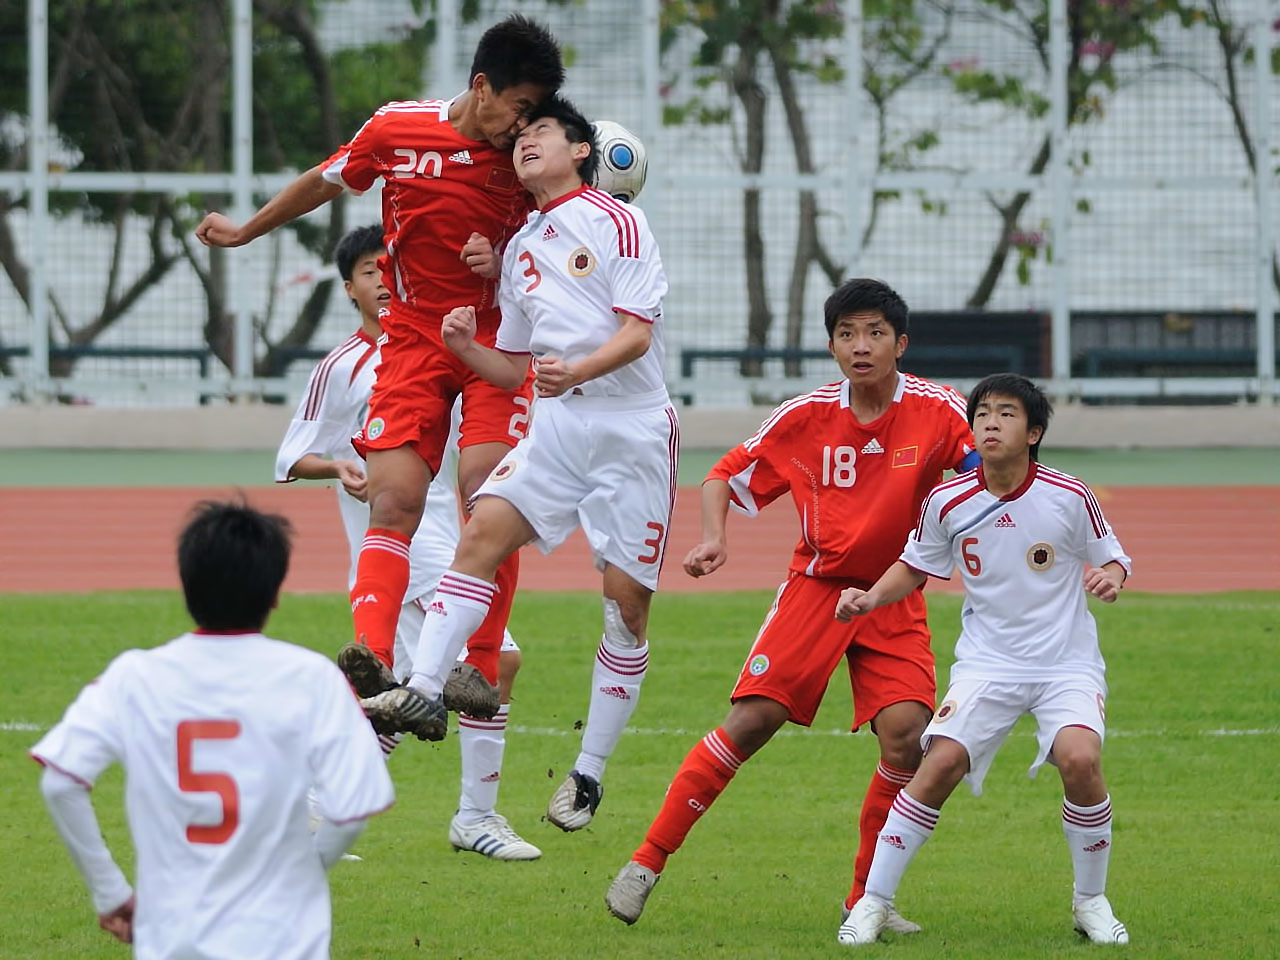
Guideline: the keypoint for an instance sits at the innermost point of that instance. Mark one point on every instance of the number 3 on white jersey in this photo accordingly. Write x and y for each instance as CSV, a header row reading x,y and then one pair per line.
x,y
837,466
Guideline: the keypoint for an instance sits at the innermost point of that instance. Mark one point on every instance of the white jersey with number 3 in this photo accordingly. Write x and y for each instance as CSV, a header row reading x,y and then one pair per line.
x,y
1022,558
220,737
574,262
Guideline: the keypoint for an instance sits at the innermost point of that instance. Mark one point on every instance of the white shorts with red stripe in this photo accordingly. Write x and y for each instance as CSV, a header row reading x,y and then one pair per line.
x,y
606,464
978,715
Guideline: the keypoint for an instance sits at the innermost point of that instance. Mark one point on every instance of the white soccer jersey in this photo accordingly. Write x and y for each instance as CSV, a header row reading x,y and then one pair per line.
x,y
1022,558
220,737
571,265
329,414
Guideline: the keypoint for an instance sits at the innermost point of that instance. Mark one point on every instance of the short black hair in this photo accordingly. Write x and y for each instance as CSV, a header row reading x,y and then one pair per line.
x,y
864,295
358,243
518,50
1014,385
577,129
232,560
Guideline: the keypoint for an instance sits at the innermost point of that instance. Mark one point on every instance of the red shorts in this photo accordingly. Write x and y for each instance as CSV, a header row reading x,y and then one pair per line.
x,y
418,380
801,641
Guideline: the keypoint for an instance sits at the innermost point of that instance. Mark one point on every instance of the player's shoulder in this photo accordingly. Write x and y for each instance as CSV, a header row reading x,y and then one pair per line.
x,y
609,217
927,395
952,492
420,112
1058,483
798,416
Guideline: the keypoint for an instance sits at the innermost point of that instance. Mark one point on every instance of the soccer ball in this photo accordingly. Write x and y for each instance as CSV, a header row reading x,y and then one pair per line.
x,y
623,164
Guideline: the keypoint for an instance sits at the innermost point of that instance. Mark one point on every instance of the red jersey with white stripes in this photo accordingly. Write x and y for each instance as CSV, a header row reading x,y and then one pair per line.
x,y
574,262
438,188
1022,557
857,486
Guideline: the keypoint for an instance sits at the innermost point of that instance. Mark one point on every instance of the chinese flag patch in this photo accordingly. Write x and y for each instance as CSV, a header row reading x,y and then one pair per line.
x,y
904,457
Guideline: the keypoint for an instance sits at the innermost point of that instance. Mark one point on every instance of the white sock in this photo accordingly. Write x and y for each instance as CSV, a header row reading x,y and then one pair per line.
x,y
482,743
455,612
1088,833
615,689
909,825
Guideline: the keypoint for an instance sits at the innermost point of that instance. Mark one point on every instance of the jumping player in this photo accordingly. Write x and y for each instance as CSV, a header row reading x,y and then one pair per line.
x,y
450,197
582,288
318,446
1026,539
857,457
221,732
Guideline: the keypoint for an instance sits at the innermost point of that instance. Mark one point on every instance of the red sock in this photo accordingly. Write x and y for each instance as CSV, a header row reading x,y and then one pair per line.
x,y
486,643
706,771
881,792
382,577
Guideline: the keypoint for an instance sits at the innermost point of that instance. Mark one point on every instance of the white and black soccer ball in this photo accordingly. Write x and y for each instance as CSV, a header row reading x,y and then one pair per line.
x,y
623,163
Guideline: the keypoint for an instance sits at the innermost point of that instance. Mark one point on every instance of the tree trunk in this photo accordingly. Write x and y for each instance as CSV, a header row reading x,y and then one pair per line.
x,y
747,88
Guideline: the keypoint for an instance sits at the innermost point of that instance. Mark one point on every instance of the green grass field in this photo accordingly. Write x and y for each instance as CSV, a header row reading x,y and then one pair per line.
x,y
1191,763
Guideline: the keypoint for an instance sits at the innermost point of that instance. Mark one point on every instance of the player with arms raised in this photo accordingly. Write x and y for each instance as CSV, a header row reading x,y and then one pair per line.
x,y
1025,538
857,457
582,289
221,733
449,197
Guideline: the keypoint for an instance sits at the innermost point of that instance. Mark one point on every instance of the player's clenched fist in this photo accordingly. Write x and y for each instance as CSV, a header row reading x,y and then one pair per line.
x,y
218,230
1104,582
706,557
458,329
853,603
477,253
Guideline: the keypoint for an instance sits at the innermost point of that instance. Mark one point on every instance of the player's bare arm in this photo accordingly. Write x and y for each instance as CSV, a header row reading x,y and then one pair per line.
x,y
553,376
309,191
312,466
480,257
458,330
894,584
1105,582
710,554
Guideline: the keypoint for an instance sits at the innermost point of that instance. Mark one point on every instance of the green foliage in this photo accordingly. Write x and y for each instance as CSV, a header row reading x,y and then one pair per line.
x,y
1193,702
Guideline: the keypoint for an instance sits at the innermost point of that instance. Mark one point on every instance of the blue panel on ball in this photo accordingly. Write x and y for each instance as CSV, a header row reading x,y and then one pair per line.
x,y
621,156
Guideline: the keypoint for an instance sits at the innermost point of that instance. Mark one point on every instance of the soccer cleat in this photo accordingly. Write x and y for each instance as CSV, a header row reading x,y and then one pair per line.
x,y
575,801
367,675
865,922
894,923
405,710
492,837
629,891
467,691
1096,921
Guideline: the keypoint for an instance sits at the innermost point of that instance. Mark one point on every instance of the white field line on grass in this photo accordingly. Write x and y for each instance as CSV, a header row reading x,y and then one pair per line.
x,y
20,726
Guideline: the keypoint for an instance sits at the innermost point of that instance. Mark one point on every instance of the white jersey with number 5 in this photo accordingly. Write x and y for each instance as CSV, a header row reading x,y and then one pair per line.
x,y
567,270
1022,558
220,737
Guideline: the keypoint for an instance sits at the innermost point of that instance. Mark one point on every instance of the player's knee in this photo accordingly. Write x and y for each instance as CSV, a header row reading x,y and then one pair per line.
x,y
508,666
624,623
396,509
1079,764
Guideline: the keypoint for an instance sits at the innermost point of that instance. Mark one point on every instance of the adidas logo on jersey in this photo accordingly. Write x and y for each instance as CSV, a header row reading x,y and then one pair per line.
x,y
1006,521
619,692
462,156
873,446
549,233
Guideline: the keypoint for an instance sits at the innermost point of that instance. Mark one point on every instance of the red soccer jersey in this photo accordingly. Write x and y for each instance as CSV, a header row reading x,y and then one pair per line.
x,y
857,486
439,188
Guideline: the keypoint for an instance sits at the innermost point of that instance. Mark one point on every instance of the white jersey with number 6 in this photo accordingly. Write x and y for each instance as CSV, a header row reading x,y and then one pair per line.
x,y
220,737
1022,558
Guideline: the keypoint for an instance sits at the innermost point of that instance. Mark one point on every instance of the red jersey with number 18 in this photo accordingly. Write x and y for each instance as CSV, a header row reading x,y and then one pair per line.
x,y
440,187
857,486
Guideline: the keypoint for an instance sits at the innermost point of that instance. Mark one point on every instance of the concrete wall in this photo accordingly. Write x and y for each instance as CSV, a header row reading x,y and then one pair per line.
x,y
254,427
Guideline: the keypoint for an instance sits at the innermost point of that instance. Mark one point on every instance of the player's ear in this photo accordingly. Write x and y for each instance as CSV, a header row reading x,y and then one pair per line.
x,y
901,346
478,84
1034,436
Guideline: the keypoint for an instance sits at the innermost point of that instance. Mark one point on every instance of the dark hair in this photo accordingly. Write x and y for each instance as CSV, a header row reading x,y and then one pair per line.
x,y
517,50
1014,385
232,560
865,296
577,129
358,243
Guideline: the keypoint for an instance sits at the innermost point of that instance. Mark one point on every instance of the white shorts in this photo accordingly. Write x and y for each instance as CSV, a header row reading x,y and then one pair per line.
x,y
409,628
607,464
978,715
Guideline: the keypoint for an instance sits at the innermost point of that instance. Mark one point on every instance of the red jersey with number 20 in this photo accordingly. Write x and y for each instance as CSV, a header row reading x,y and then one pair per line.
x,y
857,486
440,187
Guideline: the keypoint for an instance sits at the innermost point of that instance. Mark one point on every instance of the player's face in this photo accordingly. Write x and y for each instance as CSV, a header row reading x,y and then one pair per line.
x,y
865,347
365,286
502,116
1000,429
543,153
